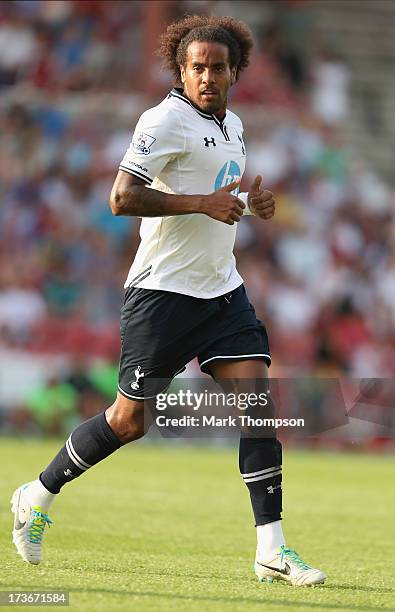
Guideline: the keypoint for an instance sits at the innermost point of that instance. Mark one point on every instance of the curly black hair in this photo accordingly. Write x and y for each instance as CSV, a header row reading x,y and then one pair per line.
x,y
226,30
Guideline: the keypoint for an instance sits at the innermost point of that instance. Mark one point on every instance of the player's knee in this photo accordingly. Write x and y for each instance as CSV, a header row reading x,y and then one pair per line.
x,y
127,419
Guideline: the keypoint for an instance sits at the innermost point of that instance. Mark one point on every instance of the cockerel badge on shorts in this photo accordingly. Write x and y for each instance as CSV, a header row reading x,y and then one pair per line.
x,y
138,374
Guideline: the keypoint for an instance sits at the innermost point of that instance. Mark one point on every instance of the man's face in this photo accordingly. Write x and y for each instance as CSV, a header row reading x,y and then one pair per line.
x,y
207,76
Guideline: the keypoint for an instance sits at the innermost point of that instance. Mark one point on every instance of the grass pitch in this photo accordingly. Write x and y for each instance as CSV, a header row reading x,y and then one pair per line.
x,y
170,528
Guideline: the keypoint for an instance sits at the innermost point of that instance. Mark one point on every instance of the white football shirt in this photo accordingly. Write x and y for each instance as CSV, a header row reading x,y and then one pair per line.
x,y
177,148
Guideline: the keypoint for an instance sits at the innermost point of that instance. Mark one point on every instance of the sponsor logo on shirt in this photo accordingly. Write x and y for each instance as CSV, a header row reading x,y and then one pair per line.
x,y
138,166
142,143
229,172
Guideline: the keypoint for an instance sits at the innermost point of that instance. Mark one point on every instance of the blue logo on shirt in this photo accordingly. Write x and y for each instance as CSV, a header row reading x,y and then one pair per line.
x,y
228,173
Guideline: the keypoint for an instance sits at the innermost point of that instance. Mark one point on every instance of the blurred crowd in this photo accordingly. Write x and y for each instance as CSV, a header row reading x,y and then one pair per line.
x,y
321,274
66,45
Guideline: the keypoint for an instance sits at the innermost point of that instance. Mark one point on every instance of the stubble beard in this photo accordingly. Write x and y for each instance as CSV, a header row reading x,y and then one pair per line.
x,y
213,107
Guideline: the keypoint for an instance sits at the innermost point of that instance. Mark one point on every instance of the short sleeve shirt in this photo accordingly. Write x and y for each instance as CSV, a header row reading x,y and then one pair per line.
x,y
177,148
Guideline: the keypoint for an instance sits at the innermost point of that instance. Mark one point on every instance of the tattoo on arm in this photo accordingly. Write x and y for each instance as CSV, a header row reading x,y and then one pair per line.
x,y
137,201
141,202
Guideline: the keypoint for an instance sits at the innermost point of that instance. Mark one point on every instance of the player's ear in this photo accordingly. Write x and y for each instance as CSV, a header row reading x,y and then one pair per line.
x,y
233,73
182,73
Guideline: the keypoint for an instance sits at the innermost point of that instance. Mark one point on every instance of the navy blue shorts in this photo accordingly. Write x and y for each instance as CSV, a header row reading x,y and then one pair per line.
x,y
162,331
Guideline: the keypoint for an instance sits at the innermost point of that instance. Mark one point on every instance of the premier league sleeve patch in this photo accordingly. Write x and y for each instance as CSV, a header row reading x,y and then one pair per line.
x,y
142,143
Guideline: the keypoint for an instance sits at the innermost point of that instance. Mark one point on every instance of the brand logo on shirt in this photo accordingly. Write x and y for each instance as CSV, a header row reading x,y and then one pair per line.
x,y
228,173
208,142
142,143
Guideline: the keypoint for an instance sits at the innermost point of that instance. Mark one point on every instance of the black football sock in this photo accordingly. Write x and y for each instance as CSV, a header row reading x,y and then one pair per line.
x,y
89,443
260,462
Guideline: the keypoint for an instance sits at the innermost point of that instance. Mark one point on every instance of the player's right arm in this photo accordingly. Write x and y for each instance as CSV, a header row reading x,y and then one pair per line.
x,y
158,139
130,196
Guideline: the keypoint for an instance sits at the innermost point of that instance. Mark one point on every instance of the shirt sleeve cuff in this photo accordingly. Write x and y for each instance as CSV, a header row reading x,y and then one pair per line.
x,y
137,173
243,196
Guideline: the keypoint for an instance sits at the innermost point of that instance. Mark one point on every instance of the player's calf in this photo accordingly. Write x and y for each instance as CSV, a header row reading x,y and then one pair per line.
x,y
128,419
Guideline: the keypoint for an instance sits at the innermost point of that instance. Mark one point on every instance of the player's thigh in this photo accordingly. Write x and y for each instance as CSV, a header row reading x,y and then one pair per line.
x,y
158,338
249,376
239,345
243,369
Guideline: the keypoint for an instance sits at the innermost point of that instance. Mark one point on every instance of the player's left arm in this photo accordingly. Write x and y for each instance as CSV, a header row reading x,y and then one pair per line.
x,y
260,201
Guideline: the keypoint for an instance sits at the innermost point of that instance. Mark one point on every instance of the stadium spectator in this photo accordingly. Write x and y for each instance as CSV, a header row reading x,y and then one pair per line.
x,y
330,96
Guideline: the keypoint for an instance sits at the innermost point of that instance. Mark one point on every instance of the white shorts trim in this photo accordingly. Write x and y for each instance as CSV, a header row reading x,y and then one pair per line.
x,y
135,397
236,357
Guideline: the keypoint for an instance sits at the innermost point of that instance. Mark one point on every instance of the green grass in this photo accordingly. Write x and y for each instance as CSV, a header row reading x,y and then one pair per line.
x,y
170,528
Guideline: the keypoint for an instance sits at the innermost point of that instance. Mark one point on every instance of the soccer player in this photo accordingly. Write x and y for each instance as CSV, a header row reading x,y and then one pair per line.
x,y
184,297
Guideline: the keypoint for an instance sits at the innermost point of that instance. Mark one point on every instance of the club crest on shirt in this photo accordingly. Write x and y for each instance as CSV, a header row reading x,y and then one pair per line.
x,y
142,143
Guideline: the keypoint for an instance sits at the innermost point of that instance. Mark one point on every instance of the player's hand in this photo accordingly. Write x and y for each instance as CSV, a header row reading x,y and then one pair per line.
x,y
223,206
261,201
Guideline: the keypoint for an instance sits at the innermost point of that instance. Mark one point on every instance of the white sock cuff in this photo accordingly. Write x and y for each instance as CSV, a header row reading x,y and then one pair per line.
x,y
38,495
270,538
